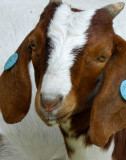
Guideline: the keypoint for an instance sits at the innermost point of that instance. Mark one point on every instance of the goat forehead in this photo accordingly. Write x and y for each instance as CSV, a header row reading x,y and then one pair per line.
x,y
67,31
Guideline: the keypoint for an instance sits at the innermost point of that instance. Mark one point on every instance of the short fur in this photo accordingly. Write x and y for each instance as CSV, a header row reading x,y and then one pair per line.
x,y
93,104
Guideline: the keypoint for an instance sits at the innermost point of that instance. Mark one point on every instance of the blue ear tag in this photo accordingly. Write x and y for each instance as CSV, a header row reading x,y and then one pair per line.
x,y
11,61
123,90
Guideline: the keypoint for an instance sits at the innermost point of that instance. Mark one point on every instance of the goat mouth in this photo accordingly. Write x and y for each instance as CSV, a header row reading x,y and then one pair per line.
x,y
58,120
62,117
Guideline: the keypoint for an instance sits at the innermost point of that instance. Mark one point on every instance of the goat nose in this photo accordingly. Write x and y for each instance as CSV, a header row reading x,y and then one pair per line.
x,y
50,105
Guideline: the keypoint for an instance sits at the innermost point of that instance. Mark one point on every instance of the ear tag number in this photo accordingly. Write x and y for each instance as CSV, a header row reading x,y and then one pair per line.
x,y
123,89
11,61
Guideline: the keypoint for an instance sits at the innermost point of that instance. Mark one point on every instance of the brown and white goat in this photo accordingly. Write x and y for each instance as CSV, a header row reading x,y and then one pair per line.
x,y
79,64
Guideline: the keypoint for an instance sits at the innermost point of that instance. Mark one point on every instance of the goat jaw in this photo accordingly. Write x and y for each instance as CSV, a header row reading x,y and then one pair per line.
x,y
115,9
57,1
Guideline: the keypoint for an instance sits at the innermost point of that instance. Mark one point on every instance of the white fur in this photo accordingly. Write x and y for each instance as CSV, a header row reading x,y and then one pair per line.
x,y
31,136
88,153
81,152
30,139
67,32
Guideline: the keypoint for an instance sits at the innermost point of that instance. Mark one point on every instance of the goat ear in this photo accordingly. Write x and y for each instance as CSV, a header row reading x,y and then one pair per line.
x,y
109,109
15,87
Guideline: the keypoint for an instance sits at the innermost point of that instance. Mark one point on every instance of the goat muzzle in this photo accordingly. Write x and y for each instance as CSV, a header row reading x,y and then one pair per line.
x,y
50,105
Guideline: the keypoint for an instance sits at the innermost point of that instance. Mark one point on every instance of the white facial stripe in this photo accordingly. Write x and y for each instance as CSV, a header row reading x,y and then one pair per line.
x,y
67,32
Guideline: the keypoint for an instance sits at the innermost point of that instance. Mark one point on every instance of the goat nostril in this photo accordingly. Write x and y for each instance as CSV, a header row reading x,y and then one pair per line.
x,y
50,105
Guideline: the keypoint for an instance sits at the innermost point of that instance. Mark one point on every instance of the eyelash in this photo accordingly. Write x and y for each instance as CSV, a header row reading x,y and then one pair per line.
x,y
101,59
32,46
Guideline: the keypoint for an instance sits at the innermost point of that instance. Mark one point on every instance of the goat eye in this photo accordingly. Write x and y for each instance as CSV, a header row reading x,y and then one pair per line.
x,y
101,58
32,46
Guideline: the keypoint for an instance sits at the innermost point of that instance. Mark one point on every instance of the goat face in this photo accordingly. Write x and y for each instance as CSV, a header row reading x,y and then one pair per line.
x,y
78,46
70,49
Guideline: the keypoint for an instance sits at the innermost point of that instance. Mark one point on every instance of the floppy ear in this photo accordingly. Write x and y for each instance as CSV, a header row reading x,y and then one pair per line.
x,y
109,109
15,87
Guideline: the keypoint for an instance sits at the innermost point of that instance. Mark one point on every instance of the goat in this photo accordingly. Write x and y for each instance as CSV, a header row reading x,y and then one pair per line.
x,y
30,139
76,57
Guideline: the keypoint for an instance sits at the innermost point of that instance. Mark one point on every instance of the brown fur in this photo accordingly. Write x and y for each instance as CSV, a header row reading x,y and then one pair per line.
x,y
15,85
94,103
115,68
109,100
14,102
120,145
